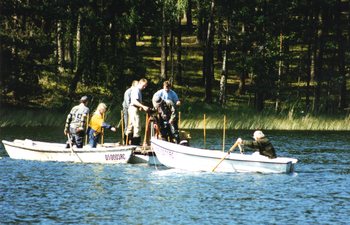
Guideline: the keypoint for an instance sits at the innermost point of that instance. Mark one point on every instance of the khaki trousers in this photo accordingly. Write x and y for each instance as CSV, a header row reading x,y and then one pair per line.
x,y
134,122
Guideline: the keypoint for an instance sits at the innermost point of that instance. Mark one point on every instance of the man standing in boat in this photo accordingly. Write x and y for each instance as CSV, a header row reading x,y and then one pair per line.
x,y
76,123
260,143
167,94
126,104
134,125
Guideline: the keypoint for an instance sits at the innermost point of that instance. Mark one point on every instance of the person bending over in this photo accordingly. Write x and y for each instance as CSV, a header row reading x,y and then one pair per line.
x,y
261,143
96,124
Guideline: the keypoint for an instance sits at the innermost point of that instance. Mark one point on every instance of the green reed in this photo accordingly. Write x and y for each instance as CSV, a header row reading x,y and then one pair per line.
x,y
193,118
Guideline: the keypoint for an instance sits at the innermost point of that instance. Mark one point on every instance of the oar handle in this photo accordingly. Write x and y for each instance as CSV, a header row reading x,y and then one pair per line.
x,y
222,159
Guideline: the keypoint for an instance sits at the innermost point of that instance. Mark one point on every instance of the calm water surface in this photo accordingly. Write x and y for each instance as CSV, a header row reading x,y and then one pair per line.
x,y
71,193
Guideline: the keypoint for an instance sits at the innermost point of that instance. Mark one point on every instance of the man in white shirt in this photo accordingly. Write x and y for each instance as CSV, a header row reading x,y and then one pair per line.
x,y
134,126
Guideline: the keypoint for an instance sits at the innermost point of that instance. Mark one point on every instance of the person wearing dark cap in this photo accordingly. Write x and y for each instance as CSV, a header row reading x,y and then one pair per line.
x,y
76,123
261,143
166,114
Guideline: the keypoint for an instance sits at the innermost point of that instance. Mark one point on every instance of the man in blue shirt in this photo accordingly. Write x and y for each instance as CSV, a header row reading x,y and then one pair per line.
x,y
168,94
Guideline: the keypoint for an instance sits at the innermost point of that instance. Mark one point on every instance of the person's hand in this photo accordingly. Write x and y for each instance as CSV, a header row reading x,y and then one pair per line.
x,y
113,129
239,140
178,103
145,108
79,129
66,132
171,121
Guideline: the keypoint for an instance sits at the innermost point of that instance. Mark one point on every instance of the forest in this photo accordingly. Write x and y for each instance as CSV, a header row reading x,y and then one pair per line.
x,y
265,54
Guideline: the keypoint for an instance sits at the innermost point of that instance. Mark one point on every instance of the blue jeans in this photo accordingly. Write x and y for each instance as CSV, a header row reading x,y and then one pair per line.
x,y
94,138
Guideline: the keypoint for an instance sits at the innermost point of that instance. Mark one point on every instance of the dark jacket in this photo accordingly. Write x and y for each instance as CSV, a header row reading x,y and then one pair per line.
x,y
263,145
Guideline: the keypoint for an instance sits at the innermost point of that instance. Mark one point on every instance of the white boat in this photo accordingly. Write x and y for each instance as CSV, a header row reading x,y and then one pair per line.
x,y
150,159
194,159
144,154
46,151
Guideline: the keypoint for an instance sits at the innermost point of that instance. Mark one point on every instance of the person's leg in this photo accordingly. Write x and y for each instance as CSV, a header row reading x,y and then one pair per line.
x,y
126,122
136,140
92,139
131,115
137,124
79,139
175,131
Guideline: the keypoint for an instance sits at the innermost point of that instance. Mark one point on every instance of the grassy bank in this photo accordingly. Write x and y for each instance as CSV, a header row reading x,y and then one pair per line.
x,y
192,117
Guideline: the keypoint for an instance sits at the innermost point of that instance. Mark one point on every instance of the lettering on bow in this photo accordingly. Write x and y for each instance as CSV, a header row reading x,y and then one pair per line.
x,y
114,157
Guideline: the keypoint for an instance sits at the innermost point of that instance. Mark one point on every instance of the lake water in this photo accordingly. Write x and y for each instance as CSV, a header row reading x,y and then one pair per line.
x,y
71,193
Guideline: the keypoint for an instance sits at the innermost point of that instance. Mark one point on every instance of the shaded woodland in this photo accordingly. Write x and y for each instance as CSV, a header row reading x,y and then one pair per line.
x,y
265,53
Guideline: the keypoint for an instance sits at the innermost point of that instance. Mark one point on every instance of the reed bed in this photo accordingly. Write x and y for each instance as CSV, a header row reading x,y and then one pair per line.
x,y
268,123
235,119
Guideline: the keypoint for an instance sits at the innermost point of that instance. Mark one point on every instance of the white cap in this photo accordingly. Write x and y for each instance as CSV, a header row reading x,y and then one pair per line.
x,y
258,134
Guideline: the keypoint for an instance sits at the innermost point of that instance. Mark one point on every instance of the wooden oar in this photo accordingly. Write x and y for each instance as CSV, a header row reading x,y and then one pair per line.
x,y
102,129
71,147
86,128
144,144
231,149
122,121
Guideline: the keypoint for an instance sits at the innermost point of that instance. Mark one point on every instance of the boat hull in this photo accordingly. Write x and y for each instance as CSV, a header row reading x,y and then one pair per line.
x,y
143,155
45,151
193,159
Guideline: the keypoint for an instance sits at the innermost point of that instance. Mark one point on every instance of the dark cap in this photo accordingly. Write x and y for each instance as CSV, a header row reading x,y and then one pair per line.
x,y
156,100
84,99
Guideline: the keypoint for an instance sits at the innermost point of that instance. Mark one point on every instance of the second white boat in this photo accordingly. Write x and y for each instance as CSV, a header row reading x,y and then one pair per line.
x,y
193,159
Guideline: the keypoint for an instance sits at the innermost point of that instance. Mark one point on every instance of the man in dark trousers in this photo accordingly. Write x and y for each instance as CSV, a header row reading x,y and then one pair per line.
x,y
166,114
76,123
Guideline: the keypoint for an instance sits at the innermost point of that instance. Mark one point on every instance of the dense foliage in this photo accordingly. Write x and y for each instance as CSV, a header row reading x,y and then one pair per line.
x,y
264,53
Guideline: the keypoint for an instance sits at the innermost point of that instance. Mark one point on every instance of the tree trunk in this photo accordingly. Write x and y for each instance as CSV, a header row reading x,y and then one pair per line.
x,y
60,47
221,43
223,79
209,56
277,103
189,23
171,53
179,53
318,52
77,43
244,73
78,66
163,63
341,58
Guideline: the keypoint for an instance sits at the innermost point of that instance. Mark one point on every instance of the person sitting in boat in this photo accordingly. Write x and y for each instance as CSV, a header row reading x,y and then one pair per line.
x,y
76,123
165,118
261,143
96,124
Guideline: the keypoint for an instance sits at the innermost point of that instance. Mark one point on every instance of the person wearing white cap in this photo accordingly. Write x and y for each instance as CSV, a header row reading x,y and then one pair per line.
x,y
76,123
261,143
